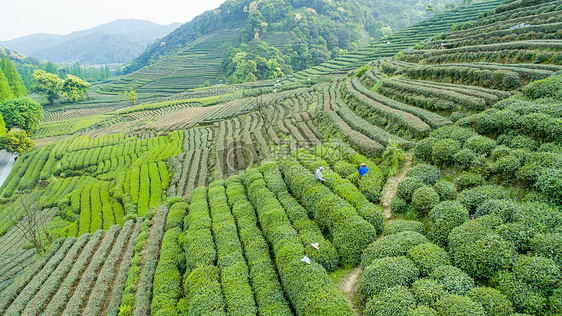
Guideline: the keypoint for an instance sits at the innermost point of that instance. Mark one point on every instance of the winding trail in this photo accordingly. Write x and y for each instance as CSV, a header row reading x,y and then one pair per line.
x,y
349,283
391,187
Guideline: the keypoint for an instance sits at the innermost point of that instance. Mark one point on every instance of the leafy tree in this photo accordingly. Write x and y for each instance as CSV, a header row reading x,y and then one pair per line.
x,y
75,88
130,96
32,225
47,84
14,78
16,141
23,113
2,126
5,89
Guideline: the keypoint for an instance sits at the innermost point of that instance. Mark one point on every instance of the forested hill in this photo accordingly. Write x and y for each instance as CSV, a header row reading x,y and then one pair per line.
x,y
306,33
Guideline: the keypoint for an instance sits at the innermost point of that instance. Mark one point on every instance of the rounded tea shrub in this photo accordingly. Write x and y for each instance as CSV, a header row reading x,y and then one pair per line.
x,y
428,256
480,145
394,301
407,187
492,300
402,225
423,310
399,206
429,174
458,305
446,190
444,150
458,133
479,250
423,148
446,216
384,273
539,272
465,158
392,245
469,180
428,291
504,209
474,197
453,279
517,234
548,246
424,199
519,293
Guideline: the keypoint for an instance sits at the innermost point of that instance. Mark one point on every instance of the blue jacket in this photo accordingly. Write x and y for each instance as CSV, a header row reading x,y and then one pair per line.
x,y
363,170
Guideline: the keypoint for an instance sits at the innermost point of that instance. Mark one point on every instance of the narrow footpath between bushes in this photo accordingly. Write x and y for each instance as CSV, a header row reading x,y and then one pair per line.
x,y
349,283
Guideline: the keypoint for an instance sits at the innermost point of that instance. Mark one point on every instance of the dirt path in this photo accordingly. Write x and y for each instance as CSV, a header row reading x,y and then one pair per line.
x,y
347,287
392,185
349,283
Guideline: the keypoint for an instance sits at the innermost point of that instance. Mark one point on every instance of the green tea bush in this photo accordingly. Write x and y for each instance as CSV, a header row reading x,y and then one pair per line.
x,y
428,291
394,301
167,287
506,167
550,183
445,217
428,256
407,187
517,234
392,245
465,158
273,178
500,151
176,215
458,305
384,273
545,88
424,199
478,250
453,279
424,148
538,217
548,245
471,198
480,145
492,300
469,180
399,205
458,133
423,310
402,225
517,291
542,274
443,151
446,190
504,209
429,174
344,168
204,291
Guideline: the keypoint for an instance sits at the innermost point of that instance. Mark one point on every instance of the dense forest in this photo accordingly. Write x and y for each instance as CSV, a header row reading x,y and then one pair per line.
x,y
279,37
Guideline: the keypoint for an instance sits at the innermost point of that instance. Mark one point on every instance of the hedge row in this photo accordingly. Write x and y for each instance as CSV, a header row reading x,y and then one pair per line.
x,y
268,292
308,230
307,286
238,294
343,188
128,301
363,103
202,287
332,124
87,281
351,233
434,120
469,102
106,275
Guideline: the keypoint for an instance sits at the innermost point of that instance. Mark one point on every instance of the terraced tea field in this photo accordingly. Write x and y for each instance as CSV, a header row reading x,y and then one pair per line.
x,y
207,201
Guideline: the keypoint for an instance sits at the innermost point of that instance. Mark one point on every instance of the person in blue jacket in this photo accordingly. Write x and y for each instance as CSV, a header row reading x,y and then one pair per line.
x,y
362,171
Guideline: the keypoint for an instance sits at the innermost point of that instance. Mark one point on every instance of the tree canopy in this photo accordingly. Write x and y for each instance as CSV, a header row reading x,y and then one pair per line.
x,y
23,113
47,84
17,142
5,89
75,88
14,78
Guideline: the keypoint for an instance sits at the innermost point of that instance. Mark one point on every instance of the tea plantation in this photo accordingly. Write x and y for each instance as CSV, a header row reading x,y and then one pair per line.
x,y
207,202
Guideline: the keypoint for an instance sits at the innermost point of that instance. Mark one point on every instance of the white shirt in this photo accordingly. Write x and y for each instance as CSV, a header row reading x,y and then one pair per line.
x,y
319,175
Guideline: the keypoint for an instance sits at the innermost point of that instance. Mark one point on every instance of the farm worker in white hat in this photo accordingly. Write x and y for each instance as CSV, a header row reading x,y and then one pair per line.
x,y
319,174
